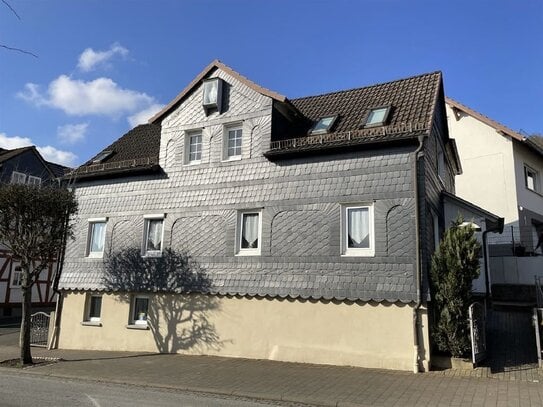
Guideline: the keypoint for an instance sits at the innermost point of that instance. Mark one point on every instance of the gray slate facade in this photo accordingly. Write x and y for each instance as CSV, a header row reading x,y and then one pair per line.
x,y
300,199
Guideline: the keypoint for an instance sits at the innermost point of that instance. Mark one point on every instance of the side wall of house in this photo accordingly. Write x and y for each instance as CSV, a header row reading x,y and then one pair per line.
x,y
327,332
27,163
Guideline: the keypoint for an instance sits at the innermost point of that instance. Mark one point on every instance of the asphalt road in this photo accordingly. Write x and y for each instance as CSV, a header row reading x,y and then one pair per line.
x,y
23,389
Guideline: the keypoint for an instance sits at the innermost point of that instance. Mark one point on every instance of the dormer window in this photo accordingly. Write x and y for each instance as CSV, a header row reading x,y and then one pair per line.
x,y
102,156
377,116
212,94
323,125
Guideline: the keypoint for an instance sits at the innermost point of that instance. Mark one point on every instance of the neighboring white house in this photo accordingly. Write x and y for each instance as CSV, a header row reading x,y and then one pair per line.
x,y
502,172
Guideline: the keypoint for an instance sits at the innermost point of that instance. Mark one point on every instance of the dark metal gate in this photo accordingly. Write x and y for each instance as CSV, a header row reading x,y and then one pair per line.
x,y
477,325
39,329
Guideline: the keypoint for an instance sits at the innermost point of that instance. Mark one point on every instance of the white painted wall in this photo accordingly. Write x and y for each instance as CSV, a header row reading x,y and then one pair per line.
x,y
488,178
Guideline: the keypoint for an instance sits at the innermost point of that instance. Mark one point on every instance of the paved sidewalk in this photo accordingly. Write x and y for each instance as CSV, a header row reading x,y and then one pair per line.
x,y
300,383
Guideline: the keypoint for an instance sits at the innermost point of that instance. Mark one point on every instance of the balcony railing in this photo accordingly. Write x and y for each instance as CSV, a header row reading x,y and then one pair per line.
x,y
118,165
368,135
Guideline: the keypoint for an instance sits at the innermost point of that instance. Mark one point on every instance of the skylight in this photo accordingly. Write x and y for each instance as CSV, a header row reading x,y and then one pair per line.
x,y
323,125
377,116
102,156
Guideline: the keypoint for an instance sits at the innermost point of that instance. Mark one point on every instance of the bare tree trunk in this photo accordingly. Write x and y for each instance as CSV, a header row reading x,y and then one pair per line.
x,y
26,356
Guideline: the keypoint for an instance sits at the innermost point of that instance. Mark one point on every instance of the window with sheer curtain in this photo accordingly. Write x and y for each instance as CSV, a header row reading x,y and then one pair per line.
x,y
358,230
153,236
97,238
249,233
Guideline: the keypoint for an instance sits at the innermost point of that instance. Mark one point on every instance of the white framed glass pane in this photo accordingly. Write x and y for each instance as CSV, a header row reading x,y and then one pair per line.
x,y
377,116
249,230
17,277
141,306
195,147
358,228
323,124
234,142
98,237
154,235
18,177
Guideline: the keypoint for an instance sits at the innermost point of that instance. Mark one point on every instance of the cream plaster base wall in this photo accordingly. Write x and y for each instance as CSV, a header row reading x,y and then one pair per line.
x,y
324,332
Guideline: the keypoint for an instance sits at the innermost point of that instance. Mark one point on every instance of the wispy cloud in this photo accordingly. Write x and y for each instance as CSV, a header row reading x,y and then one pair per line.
x,y
100,96
91,59
144,115
72,133
48,152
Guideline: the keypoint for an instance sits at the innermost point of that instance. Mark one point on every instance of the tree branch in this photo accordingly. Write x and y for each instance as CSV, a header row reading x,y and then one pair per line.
x,y
11,8
18,50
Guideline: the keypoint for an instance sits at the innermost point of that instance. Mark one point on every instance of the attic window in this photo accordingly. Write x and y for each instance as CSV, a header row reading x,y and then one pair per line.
x,y
102,156
323,125
377,116
212,94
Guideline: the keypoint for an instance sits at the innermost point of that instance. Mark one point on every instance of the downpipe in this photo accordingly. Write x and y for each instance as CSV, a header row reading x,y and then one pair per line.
x,y
416,339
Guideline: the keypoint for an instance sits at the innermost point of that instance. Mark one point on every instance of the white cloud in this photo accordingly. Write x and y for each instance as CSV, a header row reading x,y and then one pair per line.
x,y
72,133
90,59
101,96
48,152
144,115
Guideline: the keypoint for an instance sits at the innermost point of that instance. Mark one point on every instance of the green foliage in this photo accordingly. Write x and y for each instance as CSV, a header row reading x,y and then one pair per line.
x,y
455,265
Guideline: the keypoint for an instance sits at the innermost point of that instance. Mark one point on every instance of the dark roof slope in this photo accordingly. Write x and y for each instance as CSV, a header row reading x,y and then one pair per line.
x,y
57,169
412,100
136,150
8,154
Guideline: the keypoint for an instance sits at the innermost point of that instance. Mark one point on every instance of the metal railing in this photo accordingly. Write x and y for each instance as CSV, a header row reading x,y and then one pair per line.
x,y
114,165
516,241
369,135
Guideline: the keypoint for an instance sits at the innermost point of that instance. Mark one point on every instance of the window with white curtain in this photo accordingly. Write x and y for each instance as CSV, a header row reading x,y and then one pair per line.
x,y
249,233
97,237
357,230
153,236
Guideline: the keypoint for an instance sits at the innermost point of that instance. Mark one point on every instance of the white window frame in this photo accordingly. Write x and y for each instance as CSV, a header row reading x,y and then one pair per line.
x,y
32,180
226,134
188,136
147,219
535,177
91,222
133,320
88,317
12,282
250,251
441,166
16,177
357,252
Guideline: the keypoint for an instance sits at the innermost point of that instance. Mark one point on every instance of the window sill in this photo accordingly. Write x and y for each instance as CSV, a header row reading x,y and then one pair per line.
x,y
535,192
242,254
233,158
141,327
95,255
369,254
192,163
91,323
152,254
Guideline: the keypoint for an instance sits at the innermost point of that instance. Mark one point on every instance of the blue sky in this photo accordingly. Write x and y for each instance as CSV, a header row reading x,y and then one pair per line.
x,y
104,66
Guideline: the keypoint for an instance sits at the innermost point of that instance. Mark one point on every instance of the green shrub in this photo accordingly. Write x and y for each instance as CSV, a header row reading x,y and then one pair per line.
x,y
455,265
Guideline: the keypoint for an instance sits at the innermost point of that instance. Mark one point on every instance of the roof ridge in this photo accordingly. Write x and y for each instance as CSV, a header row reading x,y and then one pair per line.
x,y
485,119
368,86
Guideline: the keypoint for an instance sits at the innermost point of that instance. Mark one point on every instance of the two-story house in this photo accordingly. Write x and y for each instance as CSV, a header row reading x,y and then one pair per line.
x,y
502,172
313,218
25,166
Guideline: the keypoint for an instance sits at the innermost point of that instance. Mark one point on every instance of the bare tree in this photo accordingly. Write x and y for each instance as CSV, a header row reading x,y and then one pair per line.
x,y
22,51
34,225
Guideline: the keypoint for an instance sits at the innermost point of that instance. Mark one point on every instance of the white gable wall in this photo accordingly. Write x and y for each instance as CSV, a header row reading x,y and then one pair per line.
x,y
488,179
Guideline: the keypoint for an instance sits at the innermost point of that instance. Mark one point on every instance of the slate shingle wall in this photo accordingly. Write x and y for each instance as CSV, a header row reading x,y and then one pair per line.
x,y
300,201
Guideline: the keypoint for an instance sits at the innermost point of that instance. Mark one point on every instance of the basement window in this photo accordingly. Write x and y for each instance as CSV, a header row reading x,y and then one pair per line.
x,y
377,116
323,125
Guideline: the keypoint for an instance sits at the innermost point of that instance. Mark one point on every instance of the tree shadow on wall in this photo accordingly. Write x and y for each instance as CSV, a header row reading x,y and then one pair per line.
x,y
179,310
